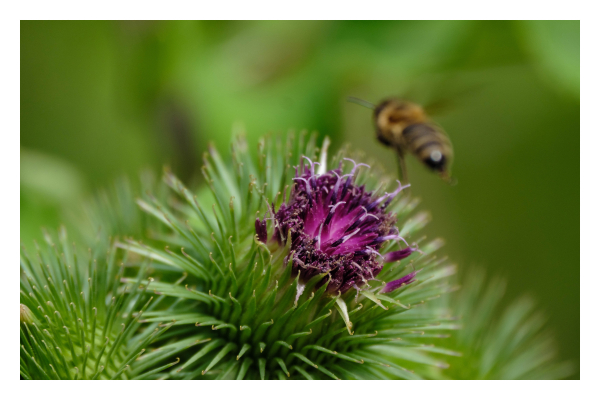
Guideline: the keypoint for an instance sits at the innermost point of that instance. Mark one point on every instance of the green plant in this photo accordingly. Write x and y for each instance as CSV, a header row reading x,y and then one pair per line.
x,y
77,320
260,274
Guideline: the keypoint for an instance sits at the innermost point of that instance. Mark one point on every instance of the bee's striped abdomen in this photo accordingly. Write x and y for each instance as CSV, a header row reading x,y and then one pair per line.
x,y
428,144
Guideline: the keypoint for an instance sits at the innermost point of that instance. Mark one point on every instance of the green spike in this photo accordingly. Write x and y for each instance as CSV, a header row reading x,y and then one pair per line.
x,y
282,365
249,310
204,351
221,326
98,372
244,368
297,335
284,344
54,371
244,349
319,319
228,368
320,348
280,375
303,358
373,298
261,367
237,309
303,372
126,363
343,310
228,348
262,328
328,373
155,371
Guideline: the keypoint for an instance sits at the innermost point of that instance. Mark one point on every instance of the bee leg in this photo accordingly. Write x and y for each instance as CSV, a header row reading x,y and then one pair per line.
x,y
402,171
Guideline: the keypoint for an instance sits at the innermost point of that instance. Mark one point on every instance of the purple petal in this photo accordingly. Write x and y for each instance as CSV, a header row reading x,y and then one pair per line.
x,y
399,255
405,280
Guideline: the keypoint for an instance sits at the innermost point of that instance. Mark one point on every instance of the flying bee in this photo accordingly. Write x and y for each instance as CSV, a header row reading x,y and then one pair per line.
x,y
406,128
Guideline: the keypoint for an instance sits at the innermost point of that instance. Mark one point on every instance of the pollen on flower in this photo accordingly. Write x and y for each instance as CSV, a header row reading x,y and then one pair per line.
x,y
336,227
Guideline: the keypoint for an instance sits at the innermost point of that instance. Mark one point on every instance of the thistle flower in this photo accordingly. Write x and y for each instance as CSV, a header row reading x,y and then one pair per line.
x,y
251,290
335,227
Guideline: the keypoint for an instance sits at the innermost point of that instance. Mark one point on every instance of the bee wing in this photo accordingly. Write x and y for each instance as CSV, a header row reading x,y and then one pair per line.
x,y
440,93
446,103
361,102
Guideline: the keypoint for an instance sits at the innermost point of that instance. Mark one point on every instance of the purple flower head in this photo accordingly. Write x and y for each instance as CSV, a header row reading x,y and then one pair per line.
x,y
336,227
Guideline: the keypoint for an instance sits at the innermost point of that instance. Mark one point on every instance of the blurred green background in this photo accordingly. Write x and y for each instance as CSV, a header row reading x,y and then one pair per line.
x,y
103,99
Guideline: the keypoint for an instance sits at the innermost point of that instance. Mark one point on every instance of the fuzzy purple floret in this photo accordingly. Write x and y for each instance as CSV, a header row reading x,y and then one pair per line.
x,y
405,280
261,230
336,227
399,254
